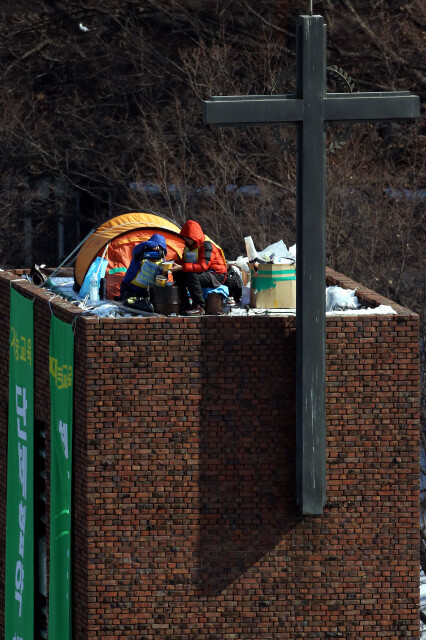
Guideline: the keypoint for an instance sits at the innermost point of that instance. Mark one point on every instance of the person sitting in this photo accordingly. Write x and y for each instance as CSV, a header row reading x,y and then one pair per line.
x,y
202,266
145,265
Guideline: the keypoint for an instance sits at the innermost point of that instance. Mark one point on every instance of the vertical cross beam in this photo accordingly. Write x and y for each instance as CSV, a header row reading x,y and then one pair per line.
x,y
310,266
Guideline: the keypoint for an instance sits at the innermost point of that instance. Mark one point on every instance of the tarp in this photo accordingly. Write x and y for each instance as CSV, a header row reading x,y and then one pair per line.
x,y
19,579
61,368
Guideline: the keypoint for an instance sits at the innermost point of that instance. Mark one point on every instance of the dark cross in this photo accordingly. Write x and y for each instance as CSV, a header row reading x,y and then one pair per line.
x,y
310,109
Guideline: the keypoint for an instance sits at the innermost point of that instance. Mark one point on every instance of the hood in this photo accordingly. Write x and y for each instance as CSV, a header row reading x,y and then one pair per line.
x,y
158,240
192,229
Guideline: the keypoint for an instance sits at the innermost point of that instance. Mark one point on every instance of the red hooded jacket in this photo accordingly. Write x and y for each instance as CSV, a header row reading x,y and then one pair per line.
x,y
209,257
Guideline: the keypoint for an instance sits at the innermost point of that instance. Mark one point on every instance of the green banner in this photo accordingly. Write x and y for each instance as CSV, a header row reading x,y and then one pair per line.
x,y
19,585
61,368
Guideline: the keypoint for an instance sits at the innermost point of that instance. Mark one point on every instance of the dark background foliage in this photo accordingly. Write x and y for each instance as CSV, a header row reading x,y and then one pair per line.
x,y
98,98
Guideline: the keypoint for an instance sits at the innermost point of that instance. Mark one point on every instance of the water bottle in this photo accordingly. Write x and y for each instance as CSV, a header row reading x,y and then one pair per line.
x,y
94,289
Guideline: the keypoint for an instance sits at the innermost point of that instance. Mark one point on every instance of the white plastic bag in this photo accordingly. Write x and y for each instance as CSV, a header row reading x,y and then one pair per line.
x,y
338,299
276,252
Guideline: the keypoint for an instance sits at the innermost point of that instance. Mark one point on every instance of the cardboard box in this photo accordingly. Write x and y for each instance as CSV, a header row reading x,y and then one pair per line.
x,y
273,286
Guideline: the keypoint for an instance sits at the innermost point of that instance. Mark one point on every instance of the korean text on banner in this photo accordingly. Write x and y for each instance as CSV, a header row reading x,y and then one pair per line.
x,y
19,585
61,368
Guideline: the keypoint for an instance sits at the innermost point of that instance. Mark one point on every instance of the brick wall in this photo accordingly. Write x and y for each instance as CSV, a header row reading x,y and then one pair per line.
x,y
185,525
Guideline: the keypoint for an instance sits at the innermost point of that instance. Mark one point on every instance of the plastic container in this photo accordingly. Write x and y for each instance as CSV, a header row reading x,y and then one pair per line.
x,y
94,289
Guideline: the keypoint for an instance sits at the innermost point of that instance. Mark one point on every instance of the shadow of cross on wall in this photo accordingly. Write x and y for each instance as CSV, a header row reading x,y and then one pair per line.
x,y
310,109
247,455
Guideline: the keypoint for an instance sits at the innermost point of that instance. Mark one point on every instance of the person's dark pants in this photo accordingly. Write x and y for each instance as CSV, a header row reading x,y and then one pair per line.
x,y
195,283
128,290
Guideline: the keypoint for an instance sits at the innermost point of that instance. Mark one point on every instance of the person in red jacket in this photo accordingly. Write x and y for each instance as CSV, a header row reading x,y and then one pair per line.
x,y
202,265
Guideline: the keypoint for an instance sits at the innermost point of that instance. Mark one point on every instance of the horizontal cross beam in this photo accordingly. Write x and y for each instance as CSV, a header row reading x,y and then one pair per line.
x,y
358,107
278,109
283,96
257,111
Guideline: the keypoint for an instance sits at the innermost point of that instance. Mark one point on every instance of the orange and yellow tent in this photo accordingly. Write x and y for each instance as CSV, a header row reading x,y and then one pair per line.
x,y
119,236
